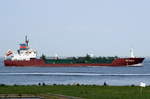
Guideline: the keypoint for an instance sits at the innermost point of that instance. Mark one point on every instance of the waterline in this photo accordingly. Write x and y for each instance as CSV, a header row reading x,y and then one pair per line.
x,y
74,74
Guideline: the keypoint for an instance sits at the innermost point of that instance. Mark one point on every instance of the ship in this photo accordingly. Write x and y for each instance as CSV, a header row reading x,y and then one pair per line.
x,y
25,56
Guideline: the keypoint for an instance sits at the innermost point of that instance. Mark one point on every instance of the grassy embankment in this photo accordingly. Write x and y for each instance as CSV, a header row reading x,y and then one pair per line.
x,y
84,91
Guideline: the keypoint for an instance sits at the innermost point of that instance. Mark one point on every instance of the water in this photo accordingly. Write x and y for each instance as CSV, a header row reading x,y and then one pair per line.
x,y
74,75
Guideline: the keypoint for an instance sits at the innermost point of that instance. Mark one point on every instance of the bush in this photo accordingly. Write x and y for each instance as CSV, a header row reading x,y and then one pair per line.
x,y
2,85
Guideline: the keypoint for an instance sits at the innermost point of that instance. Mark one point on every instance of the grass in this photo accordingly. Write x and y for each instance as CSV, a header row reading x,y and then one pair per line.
x,y
84,91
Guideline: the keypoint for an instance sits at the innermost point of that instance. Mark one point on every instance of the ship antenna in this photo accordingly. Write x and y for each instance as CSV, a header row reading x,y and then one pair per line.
x,y
26,40
132,53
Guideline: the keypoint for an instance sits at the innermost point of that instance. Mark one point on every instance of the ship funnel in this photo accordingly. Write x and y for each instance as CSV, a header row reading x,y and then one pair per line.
x,y
132,53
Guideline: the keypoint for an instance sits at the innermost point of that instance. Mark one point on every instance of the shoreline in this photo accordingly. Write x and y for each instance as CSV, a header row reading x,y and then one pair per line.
x,y
80,91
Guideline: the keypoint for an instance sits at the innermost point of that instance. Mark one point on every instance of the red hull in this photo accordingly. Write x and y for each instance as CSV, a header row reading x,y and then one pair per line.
x,y
40,62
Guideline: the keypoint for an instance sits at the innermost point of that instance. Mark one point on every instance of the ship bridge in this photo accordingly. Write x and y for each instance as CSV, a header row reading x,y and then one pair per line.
x,y
23,46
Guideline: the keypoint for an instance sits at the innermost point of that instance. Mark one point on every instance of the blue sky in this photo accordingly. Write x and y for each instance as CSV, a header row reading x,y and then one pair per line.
x,y
76,27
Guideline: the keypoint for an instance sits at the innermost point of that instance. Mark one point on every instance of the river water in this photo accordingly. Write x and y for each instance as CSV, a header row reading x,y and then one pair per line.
x,y
74,75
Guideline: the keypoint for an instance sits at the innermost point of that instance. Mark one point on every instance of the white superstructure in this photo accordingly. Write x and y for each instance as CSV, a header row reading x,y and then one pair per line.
x,y
24,52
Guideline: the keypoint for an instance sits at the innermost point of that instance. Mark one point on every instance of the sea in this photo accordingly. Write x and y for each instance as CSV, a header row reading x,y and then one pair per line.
x,y
117,76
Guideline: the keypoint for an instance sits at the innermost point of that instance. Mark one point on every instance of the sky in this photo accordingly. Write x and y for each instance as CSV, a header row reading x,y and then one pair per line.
x,y
76,27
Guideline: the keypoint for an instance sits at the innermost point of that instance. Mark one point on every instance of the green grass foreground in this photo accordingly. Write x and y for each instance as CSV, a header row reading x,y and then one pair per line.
x,y
82,91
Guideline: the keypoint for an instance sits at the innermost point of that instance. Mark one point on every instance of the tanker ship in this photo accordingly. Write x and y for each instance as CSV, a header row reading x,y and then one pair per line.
x,y
25,56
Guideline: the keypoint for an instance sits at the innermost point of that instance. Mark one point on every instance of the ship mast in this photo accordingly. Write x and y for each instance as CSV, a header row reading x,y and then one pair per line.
x,y
26,40
132,53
